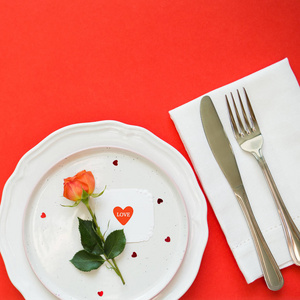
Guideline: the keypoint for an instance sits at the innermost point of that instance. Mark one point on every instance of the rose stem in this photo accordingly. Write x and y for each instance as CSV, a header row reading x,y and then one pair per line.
x,y
114,266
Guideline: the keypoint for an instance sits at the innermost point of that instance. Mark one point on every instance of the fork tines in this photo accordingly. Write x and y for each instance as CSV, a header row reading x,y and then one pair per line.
x,y
250,123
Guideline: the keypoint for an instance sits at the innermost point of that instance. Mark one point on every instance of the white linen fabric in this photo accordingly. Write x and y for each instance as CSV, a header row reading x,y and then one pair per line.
x,y
275,96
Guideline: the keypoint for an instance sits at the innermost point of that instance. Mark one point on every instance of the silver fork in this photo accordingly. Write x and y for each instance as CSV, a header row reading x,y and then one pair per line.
x,y
250,140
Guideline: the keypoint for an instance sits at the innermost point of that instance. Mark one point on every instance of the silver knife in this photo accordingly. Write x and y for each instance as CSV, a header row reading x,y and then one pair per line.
x,y
222,151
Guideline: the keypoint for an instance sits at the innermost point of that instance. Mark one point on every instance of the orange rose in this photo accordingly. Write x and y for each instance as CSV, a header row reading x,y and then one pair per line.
x,y
73,186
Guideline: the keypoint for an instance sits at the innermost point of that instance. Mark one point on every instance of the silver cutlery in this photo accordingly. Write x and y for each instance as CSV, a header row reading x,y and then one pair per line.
x,y
224,156
249,137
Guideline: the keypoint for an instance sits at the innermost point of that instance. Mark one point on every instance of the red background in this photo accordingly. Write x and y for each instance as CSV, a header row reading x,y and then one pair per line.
x,y
65,62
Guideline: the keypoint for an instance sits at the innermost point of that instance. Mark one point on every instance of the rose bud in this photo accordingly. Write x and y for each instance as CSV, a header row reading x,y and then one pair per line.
x,y
73,186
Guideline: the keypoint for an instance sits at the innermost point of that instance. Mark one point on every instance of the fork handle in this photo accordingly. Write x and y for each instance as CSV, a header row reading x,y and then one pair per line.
x,y
270,269
291,231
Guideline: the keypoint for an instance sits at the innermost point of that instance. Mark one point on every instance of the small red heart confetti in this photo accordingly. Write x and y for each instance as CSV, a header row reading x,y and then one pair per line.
x,y
100,293
159,200
43,215
115,162
168,239
133,254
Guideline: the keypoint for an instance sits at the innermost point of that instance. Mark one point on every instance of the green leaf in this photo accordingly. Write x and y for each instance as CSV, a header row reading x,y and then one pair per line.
x,y
114,243
75,204
106,228
86,262
84,194
97,195
90,240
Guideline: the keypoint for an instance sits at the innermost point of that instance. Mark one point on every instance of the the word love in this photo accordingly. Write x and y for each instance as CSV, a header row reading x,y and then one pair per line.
x,y
123,215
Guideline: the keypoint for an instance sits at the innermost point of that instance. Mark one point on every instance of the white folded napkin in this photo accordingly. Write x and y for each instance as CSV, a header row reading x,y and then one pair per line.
x,y
275,96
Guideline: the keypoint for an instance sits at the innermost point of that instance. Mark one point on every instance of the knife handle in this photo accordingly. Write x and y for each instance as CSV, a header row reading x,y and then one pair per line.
x,y
270,269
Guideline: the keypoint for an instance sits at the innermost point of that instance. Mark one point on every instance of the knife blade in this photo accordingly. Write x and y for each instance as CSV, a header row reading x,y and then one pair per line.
x,y
222,151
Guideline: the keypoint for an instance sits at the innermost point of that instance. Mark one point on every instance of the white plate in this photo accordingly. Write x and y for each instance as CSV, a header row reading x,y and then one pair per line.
x,y
76,138
51,241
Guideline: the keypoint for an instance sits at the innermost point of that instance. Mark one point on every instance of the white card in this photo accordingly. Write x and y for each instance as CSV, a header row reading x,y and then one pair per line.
x,y
128,209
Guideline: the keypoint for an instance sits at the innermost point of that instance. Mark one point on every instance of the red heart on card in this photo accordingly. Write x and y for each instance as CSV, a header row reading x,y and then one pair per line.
x,y
123,215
